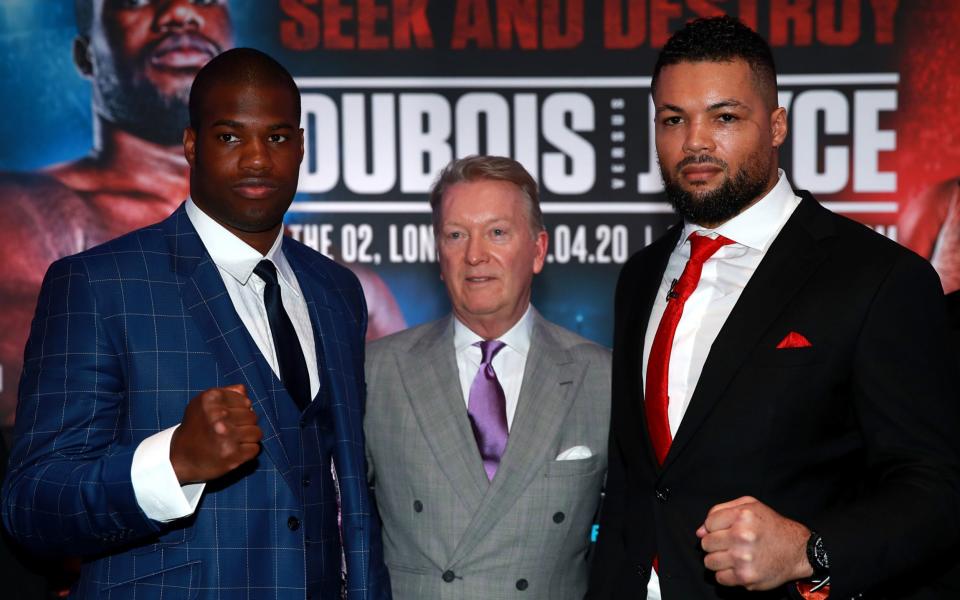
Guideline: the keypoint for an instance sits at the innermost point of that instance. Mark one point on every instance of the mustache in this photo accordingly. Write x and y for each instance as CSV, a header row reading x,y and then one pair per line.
x,y
182,41
702,159
256,182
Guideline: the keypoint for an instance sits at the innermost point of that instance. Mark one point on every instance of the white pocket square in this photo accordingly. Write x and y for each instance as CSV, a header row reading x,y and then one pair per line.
x,y
575,453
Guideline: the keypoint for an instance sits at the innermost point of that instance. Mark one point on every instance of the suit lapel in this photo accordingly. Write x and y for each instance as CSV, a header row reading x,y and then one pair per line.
x,y
206,299
429,376
323,319
792,258
550,380
331,342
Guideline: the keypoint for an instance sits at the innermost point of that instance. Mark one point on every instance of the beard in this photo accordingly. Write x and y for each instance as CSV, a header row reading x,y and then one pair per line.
x,y
124,95
135,104
726,201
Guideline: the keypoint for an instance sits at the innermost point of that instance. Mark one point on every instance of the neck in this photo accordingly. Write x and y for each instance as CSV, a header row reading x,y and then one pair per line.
x,y
122,151
493,326
261,241
771,183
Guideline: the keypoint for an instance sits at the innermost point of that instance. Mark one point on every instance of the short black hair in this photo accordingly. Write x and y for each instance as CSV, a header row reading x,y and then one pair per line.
x,y
721,39
238,66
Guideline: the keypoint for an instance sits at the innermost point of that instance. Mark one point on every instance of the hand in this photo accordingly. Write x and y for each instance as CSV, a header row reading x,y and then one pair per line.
x,y
751,545
946,252
219,432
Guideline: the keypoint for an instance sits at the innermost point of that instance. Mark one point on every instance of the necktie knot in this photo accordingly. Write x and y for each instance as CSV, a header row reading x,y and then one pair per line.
x,y
266,271
489,349
703,247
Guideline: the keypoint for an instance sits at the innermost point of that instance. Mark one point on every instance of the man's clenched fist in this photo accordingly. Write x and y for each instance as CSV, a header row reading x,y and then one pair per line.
x,y
749,544
219,432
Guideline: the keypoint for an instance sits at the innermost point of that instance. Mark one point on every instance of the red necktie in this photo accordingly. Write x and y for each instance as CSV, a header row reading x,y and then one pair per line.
x,y
658,365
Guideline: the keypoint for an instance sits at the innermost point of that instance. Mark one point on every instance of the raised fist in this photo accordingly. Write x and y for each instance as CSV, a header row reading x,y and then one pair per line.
x,y
219,432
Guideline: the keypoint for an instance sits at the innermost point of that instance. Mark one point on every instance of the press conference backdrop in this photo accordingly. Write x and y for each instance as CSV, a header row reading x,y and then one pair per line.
x,y
394,89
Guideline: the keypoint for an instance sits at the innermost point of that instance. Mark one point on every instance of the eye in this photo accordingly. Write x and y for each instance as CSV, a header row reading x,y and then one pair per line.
x,y
206,2
454,235
277,138
728,118
669,121
499,232
133,3
228,138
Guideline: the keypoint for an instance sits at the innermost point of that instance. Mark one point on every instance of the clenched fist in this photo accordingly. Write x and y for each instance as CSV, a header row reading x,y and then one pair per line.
x,y
749,544
219,432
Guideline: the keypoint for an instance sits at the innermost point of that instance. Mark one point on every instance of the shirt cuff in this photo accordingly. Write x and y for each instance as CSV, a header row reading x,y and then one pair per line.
x,y
155,484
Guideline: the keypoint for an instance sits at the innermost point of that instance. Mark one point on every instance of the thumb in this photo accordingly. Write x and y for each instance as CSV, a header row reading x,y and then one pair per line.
x,y
237,387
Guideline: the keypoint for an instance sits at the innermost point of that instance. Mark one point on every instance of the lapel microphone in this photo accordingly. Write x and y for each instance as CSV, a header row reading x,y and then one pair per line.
x,y
671,294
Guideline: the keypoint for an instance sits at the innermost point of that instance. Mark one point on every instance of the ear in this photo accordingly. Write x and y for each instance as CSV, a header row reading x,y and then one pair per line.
x,y
300,133
81,55
190,146
778,126
542,242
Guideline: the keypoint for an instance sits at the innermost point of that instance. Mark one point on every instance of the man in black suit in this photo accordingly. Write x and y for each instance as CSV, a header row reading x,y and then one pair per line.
x,y
793,422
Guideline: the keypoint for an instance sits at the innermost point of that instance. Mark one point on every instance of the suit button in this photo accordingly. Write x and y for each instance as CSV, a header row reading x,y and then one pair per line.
x,y
293,523
558,517
306,482
449,576
522,584
417,506
663,494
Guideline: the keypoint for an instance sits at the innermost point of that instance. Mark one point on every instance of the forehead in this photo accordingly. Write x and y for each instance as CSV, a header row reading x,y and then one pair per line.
x,y
259,102
481,201
692,85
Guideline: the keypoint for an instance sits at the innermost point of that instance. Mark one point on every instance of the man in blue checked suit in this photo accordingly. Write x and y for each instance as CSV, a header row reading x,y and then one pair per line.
x,y
190,411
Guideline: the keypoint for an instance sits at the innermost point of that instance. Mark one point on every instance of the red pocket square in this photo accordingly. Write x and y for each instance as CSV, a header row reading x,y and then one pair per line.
x,y
794,340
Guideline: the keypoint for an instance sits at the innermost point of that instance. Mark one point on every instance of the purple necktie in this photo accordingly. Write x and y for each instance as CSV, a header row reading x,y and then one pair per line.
x,y
488,409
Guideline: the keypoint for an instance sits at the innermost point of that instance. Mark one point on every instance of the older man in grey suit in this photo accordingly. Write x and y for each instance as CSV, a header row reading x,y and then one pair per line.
x,y
487,430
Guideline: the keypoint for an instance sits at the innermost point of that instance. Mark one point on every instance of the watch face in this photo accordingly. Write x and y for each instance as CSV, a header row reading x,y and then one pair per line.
x,y
817,555
821,554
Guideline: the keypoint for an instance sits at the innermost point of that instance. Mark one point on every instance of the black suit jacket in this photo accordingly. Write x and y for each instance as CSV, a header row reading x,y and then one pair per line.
x,y
855,436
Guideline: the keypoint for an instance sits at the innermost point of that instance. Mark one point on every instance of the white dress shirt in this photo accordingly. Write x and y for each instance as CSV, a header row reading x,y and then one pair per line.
x,y
508,363
155,484
722,280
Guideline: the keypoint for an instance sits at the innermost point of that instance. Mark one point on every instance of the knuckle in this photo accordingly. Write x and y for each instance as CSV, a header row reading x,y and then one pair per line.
x,y
745,535
228,448
744,575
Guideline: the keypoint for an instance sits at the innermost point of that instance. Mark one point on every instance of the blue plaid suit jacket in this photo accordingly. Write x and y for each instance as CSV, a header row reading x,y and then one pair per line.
x,y
125,334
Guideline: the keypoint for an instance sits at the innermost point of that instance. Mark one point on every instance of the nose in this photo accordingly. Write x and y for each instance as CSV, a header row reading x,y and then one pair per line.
x,y
178,14
476,251
699,137
255,157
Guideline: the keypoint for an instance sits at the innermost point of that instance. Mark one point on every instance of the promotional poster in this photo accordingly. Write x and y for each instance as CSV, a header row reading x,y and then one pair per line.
x,y
392,90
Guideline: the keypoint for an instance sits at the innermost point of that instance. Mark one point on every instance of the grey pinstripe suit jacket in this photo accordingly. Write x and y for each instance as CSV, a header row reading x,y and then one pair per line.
x,y
448,532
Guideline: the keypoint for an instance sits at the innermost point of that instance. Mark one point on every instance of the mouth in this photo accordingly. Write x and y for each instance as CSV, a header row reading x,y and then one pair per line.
x,y
255,189
698,170
700,173
479,279
182,52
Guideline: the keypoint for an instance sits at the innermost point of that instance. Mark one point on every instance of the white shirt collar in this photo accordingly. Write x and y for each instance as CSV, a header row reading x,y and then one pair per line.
x,y
757,226
517,338
233,255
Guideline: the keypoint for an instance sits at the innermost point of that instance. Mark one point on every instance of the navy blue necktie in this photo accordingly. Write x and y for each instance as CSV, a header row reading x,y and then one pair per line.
x,y
293,367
